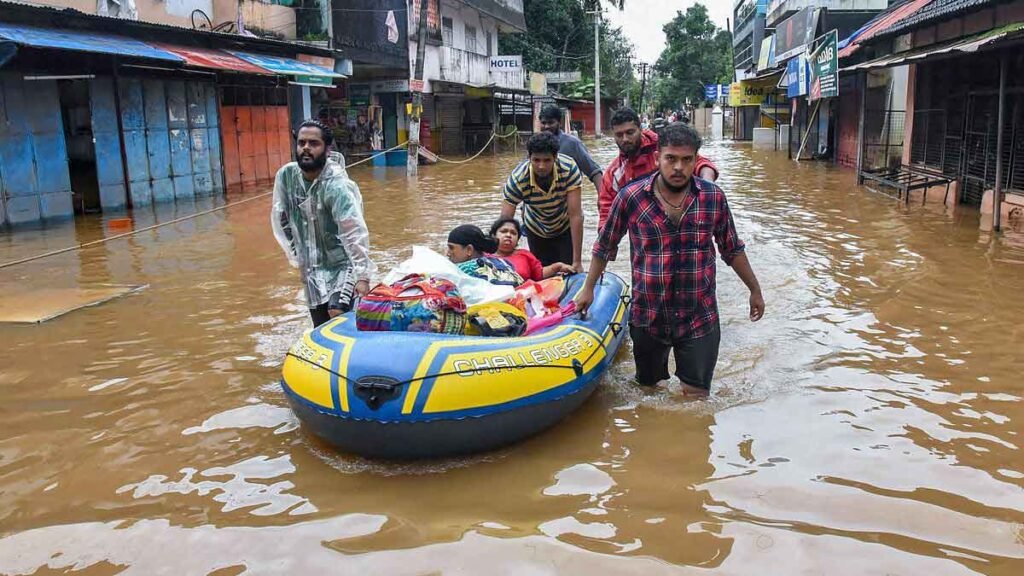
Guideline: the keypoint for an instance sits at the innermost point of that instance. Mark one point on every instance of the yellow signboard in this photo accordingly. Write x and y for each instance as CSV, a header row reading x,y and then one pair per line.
x,y
752,92
538,84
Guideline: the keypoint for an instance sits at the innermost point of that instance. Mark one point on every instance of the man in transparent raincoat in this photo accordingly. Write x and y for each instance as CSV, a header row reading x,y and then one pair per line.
x,y
317,219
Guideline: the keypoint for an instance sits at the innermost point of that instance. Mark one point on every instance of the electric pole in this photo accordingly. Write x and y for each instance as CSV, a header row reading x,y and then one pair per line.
x,y
412,164
597,70
643,85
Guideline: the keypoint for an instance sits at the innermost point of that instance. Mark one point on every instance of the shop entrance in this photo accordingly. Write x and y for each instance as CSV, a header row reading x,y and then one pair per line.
x,y
76,115
389,105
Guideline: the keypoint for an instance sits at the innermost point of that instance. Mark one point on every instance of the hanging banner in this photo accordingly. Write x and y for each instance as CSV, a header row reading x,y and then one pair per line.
x,y
824,63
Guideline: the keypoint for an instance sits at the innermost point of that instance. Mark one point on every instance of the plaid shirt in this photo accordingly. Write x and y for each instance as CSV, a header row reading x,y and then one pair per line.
x,y
673,265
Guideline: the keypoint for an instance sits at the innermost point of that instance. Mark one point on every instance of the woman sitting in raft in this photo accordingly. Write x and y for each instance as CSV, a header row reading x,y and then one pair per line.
x,y
468,248
508,231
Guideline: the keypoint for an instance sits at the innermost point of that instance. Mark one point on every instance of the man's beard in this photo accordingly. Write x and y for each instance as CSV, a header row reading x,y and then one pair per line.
x,y
673,189
312,163
631,150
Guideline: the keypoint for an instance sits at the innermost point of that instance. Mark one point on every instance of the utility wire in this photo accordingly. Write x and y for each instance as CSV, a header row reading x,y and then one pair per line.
x,y
100,241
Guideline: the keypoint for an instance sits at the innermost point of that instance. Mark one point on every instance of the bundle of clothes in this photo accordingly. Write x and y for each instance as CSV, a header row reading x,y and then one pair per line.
x,y
473,292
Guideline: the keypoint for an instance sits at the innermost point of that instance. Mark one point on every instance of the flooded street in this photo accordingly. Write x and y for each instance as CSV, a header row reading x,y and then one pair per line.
x,y
870,424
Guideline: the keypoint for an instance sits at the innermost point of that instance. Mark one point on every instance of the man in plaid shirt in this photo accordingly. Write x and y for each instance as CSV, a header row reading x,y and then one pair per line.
x,y
671,218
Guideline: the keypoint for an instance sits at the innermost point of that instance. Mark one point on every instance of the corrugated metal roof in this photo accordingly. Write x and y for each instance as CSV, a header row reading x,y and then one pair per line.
x,y
879,23
83,42
964,45
935,11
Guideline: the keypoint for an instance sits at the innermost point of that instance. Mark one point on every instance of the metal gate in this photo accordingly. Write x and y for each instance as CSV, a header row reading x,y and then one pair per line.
x,y
449,123
171,139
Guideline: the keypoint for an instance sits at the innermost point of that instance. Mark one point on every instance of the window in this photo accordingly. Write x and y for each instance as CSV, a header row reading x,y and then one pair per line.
x,y
470,39
446,31
490,43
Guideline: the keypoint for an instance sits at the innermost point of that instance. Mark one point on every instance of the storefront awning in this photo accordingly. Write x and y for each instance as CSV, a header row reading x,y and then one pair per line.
x,y
82,42
213,59
963,46
288,66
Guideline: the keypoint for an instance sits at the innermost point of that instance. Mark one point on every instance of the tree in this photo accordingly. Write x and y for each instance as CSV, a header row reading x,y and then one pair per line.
x,y
560,37
697,53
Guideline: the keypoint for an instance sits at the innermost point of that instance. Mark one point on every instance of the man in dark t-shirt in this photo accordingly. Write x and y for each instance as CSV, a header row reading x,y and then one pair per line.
x,y
551,121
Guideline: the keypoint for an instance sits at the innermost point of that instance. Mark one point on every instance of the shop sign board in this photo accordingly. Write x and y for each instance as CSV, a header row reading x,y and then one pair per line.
x,y
324,61
563,77
416,85
506,63
538,84
825,68
751,92
314,80
400,85
793,34
359,94
766,58
796,77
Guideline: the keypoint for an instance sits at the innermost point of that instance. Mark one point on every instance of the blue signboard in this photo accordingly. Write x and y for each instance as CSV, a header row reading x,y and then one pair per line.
x,y
82,41
796,77
286,66
711,91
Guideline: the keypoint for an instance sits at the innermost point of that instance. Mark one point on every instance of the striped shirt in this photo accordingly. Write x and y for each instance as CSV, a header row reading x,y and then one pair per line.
x,y
547,211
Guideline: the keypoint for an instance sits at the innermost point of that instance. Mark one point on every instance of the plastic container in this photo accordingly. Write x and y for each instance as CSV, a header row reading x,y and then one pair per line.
x,y
397,158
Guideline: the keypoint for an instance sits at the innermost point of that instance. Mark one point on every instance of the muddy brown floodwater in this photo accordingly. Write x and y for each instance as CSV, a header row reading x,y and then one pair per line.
x,y
870,424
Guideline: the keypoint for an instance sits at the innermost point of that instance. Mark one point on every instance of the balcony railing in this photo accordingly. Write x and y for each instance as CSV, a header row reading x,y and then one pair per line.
x,y
458,65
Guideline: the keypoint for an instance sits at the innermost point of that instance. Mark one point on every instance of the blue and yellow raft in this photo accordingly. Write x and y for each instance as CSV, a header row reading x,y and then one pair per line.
x,y
401,395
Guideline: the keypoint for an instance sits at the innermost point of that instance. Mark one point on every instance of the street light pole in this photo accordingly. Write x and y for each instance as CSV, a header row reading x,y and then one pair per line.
x,y
412,162
643,85
597,73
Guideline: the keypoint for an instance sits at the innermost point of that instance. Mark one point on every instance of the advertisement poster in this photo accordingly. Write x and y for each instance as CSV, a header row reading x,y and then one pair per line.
x,y
825,68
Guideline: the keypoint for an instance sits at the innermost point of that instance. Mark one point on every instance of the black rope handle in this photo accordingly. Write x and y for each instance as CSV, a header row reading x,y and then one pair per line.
x,y
576,366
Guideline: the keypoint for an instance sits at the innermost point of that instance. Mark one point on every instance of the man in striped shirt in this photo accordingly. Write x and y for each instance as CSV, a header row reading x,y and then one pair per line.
x,y
549,185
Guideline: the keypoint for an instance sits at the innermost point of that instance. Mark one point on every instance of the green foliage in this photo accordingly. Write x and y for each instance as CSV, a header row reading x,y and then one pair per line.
x,y
560,37
697,53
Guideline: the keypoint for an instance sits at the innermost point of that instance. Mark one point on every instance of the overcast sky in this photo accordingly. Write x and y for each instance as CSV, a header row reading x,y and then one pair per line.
x,y
642,21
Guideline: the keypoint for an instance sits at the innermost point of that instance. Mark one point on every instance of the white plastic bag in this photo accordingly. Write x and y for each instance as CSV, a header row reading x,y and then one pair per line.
x,y
473,290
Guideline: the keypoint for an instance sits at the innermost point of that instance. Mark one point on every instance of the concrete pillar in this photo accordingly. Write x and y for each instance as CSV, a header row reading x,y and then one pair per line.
x,y
783,143
764,138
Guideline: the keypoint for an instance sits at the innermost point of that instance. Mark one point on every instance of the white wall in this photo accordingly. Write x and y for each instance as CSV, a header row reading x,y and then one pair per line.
x,y
461,15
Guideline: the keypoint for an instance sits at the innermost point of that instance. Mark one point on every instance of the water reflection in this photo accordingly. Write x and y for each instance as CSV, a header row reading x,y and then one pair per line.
x,y
869,424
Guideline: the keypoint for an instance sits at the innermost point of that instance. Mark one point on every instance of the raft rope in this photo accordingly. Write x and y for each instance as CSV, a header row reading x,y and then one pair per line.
x,y
462,372
625,298
100,241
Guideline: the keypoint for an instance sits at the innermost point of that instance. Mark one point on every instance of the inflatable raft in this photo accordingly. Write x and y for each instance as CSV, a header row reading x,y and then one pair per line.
x,y
402,395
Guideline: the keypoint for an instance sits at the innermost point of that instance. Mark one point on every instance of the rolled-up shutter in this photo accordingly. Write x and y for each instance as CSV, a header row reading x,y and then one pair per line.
x,y
449,124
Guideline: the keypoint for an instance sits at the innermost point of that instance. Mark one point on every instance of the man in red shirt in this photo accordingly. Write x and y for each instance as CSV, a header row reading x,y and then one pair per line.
x,y
638,156
674,222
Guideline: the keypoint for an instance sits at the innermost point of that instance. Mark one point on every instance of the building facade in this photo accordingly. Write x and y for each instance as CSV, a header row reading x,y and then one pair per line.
x,y
748,34
105,113
463,97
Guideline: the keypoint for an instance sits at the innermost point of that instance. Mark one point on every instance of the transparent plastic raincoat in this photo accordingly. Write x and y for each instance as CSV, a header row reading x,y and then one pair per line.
x,y
322,231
